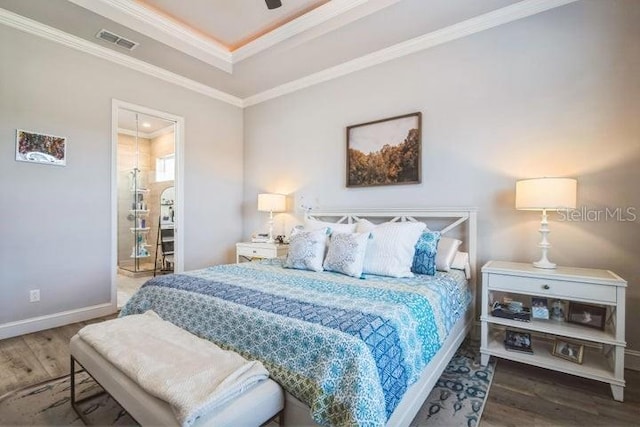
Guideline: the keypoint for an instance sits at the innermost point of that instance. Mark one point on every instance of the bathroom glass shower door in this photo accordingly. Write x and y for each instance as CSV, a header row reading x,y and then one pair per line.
x,y
144,142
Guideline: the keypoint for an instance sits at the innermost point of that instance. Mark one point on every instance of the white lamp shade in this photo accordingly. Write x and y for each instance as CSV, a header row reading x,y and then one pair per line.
x,y
269,202
546,193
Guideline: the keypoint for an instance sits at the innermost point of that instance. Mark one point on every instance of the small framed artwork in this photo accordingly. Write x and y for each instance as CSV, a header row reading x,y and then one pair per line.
x,y
385,152
41,148
539,308
592,316
518,341
573,352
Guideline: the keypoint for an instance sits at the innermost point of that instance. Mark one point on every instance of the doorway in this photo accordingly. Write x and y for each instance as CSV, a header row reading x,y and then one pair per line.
x,y
146,196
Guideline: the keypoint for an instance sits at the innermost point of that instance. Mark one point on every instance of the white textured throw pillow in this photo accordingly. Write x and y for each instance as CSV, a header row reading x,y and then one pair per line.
x,y
391,248
306,250
313,224
447,248
346,253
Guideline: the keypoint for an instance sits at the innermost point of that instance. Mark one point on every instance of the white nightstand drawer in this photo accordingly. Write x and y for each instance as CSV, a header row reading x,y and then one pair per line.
x,y
256,252
553,288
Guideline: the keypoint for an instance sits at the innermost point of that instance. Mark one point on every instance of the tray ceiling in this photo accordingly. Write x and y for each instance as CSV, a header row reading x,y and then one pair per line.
x,y
243,50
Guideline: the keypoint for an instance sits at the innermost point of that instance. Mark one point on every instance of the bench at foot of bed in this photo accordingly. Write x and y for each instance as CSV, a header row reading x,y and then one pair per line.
x,y
256,406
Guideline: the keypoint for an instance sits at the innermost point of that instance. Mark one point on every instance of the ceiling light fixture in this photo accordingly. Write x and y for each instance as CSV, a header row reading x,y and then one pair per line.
x,y
146,125
273,4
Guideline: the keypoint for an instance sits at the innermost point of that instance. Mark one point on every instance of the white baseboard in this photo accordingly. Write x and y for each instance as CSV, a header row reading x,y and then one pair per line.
x,y
632,360
49,321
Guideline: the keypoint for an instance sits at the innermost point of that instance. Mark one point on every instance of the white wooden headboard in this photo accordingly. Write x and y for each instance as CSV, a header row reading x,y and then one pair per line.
x,y
456,218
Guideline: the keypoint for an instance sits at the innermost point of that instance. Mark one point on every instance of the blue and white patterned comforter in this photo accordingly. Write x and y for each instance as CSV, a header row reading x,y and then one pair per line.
x,y
347,347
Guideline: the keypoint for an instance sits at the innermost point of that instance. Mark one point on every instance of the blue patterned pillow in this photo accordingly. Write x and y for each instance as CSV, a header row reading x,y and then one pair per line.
x,y
306,250
424,260
346,253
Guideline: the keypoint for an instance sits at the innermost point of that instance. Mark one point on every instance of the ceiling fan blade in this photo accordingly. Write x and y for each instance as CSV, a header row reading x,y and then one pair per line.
x,y
273,4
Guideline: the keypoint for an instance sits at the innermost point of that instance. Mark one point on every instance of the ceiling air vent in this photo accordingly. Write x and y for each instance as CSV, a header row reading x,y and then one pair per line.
x,y
116,39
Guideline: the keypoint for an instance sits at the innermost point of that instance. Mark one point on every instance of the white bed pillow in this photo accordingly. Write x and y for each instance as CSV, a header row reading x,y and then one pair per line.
x,y
346,253
306,250
391,247
447,249
311,224
461,262
364,225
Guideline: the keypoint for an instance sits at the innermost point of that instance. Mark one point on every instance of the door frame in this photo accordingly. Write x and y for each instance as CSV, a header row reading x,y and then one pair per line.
x,y
116,105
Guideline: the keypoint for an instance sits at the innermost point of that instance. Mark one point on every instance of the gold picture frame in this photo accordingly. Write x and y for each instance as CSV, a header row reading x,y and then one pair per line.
x,y
568,350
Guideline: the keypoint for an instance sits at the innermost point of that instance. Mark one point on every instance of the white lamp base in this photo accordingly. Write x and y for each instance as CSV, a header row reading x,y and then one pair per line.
x,y
544,244
544,264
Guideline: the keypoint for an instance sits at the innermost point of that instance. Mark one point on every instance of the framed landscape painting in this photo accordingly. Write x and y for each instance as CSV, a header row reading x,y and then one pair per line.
x,y
41,148
385,152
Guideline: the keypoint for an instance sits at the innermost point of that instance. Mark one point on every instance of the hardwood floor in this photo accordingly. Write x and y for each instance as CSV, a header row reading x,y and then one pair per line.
x,y
520,395
33,358
527,395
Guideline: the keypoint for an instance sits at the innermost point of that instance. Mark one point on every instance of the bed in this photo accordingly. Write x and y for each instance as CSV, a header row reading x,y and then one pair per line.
x,y
347,350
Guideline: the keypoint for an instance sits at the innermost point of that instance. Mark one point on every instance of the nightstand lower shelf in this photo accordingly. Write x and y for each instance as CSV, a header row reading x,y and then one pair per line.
x,y
595,365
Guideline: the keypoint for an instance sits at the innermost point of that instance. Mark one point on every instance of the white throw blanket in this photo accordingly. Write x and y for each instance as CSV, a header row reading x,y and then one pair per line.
x,y
192,374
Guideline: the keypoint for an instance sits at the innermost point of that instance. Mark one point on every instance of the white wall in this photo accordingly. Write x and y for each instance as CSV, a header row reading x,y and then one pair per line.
x,y
55,221
556,94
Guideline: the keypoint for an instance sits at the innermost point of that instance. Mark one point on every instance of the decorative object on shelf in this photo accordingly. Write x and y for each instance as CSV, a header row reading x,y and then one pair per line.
x,y
558,310
270,202
41,148
385,152
545,194
539,308
509,311
568,350
518,341
593,316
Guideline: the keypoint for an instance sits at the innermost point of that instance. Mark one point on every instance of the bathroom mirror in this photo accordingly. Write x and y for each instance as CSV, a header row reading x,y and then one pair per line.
x,y
167,212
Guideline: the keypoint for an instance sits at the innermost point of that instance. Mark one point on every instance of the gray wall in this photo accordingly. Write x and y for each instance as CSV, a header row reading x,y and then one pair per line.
x,y
556,94
55,224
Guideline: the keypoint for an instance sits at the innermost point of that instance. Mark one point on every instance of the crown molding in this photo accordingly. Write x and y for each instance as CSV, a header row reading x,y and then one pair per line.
x,y
462,29
36,28
145,21
152,24
303,23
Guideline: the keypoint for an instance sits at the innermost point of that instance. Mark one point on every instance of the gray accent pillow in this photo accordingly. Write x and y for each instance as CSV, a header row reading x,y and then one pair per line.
x,y
346,253
306,250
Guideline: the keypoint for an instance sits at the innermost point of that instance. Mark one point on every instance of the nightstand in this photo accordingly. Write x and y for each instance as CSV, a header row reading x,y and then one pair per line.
x,y
603,356
250,250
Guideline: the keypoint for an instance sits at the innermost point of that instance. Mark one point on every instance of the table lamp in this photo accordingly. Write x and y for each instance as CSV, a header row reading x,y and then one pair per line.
x,y
270,202
545,194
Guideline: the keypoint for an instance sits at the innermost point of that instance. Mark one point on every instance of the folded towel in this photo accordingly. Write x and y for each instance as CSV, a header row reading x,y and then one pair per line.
x,y
193,375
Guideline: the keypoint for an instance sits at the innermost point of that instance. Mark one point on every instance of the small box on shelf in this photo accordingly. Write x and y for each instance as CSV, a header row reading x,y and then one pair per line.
x,y
518,341
509,311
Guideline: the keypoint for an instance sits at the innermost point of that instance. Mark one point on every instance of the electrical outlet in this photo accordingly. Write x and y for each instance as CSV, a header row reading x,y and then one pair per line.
x,y
34,295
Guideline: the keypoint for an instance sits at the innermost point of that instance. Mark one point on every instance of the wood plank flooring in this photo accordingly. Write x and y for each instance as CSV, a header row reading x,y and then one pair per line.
x,y
33,358
521,395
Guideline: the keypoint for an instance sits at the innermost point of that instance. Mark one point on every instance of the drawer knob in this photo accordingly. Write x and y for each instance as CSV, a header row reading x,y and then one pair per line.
x,y
545,286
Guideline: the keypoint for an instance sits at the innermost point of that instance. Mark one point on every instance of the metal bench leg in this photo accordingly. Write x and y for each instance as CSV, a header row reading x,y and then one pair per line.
x,y
74,402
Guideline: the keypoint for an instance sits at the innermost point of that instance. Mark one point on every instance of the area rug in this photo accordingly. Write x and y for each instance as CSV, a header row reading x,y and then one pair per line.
x,y
49,404
456,400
